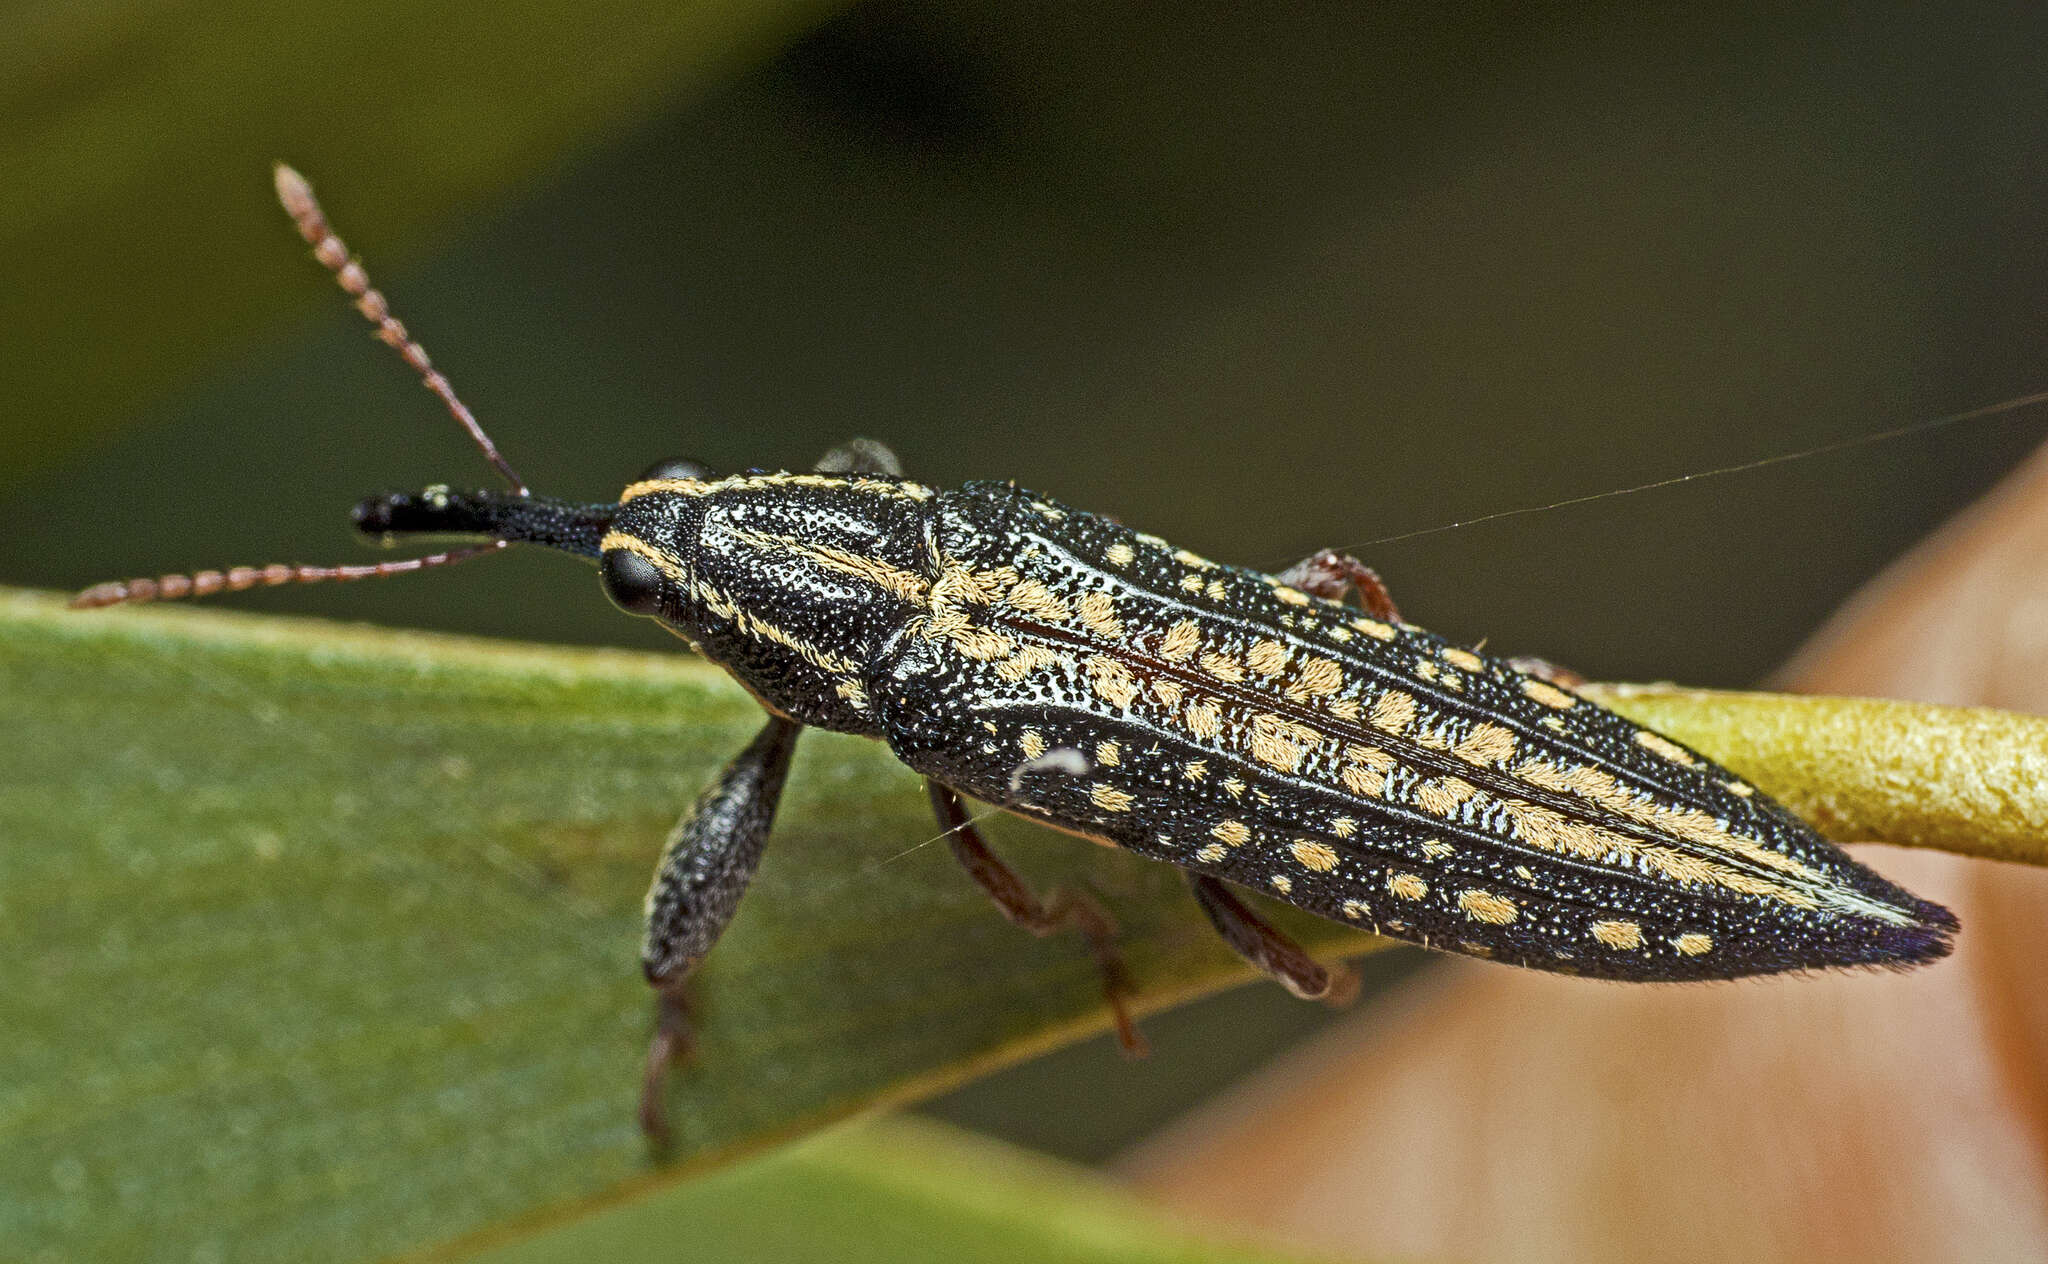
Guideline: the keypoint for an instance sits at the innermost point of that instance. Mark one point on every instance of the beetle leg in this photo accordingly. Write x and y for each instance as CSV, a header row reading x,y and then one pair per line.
x,y
1065,906
704,869
1544,669
1252,938
860,456
1332,575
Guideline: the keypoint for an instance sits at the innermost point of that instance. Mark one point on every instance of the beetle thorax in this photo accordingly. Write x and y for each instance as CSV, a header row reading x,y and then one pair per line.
x,y
794,583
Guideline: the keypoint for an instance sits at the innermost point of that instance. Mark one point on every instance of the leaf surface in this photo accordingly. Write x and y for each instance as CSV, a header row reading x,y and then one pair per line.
x,y
900,1190
324,938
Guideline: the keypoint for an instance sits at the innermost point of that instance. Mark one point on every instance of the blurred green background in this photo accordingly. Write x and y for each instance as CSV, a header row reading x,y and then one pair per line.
x,y
1260,279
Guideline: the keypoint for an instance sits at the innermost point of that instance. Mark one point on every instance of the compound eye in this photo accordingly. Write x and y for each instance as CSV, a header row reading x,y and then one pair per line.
x,y
677,467
632,582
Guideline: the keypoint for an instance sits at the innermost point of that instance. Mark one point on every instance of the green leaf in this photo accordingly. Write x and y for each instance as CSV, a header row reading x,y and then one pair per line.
x,y
1964,779
899,1190
140,138
322,939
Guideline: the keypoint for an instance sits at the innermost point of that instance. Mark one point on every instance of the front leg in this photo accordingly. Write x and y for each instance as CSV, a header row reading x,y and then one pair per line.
x,y
704,870
1332,575
1064,907
860,456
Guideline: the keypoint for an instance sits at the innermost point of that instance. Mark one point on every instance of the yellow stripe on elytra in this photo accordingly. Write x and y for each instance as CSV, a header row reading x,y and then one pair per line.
x,y
1602,790
1808,885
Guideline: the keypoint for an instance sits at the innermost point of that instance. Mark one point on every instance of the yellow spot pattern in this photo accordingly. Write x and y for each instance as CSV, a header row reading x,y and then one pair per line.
x,y
1485,906
1486,745
1319,678
1407,886
1181,640
1112,680
1622,935
1281,743
1267,658
1365,782
1548,694
1231,833
1033,598
1393,711
1111,799
1097,612
1443,796
1223,667
1314,855
1026,660
1658,744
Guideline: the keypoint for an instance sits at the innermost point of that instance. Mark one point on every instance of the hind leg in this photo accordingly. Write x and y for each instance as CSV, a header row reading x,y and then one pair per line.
x,y
1332,575
1252,938
1063,908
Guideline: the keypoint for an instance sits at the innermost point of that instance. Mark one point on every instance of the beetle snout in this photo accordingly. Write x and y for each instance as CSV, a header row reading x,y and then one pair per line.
x,y
511,517
434,511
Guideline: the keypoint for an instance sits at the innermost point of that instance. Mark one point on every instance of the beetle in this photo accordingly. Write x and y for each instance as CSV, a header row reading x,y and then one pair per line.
x,y
1258,732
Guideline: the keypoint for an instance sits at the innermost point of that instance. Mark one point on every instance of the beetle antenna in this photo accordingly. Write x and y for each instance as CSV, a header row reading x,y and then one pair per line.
x,y
299,203
238,578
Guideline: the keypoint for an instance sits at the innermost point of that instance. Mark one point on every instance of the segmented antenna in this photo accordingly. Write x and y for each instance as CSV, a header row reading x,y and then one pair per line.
x,y
241,578
299,203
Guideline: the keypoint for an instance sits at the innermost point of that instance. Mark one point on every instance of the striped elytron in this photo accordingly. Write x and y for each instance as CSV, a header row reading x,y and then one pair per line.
x,y
1251,730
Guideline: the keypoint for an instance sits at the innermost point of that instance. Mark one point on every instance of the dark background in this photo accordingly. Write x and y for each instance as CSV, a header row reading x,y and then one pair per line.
x,y
1257,279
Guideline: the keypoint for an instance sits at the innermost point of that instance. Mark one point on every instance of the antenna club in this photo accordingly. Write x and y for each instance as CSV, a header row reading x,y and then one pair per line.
x,y
295,193
241,578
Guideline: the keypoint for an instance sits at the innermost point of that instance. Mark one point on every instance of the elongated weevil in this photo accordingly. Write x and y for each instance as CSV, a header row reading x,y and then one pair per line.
x,y
1251,730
